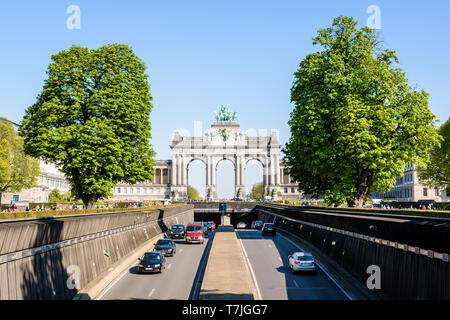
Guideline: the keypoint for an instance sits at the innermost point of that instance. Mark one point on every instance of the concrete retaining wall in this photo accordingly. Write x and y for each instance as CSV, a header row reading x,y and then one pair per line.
x,y
404,274
88,245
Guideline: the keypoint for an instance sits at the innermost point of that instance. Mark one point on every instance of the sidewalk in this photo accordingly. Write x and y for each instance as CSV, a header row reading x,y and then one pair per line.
x,y
226,276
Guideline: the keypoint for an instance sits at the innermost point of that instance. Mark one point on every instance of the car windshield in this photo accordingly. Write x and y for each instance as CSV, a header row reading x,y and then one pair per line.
x,y
164,242
151,256
194,229
269,225
177,227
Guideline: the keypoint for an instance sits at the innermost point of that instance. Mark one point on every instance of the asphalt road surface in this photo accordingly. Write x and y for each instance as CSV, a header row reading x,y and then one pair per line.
x,y
268,257
175,282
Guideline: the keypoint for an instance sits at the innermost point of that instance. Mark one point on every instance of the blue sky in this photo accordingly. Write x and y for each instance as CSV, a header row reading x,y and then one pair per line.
x,y
201,54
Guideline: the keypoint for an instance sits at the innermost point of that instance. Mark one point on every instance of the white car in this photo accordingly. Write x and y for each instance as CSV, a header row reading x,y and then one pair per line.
x,y
302,261
241,225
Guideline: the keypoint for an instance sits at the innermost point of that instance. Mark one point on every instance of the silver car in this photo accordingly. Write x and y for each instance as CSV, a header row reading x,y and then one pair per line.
x,y
241,225
302,261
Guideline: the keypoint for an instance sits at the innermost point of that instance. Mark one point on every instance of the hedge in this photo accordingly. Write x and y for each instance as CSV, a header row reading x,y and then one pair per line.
x,y
52,213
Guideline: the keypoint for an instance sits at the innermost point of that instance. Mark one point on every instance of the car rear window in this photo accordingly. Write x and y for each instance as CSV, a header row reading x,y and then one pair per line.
x,y
306,258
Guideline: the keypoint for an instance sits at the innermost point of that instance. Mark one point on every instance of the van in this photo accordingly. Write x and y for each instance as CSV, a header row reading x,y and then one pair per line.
x,y
195,232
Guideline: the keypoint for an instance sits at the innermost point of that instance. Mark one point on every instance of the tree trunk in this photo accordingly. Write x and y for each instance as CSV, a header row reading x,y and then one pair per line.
x,y
362,190
89,201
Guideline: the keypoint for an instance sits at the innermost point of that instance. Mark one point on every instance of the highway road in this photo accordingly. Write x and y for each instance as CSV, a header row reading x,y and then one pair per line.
x,y
175,282
268,258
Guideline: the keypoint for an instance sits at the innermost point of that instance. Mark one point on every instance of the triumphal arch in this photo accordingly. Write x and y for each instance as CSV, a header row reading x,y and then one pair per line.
x,y
225,141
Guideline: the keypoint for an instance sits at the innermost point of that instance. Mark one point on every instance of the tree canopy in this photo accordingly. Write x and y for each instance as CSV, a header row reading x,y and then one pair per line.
x,y
437,173
193,194
92,120
257,191
58,197
356,121
18,171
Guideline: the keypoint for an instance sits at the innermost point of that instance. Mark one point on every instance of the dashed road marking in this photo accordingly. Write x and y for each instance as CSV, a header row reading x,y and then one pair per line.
x,y
168,267
151,292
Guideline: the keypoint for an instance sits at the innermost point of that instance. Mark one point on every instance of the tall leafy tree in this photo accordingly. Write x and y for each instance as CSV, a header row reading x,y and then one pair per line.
x,y
437,173
92,120
18,171
257,191
356,121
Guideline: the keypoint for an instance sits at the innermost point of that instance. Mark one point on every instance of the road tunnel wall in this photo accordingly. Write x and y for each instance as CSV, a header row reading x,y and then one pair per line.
x,y
406,272
52,258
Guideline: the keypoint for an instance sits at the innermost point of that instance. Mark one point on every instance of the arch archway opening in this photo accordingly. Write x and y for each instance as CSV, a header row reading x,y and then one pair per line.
x,y
196,180
254,178
225,179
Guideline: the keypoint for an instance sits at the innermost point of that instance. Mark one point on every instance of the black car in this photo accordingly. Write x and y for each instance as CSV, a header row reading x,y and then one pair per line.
x,y
152,261
166,246
269,228
177,231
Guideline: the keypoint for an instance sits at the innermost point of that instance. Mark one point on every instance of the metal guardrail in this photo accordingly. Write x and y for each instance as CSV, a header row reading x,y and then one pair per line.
x,y
38,250
402,246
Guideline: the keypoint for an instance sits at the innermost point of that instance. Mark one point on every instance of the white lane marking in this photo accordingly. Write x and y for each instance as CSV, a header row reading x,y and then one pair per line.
x,y
168,267
270,246
100,296
151,292
295,283
321,267
181,250
258,293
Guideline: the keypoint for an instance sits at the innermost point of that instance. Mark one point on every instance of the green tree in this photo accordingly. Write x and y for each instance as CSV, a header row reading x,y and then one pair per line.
x,y
356,121
437,173
92,120
193,194
18,171
257,191
58,197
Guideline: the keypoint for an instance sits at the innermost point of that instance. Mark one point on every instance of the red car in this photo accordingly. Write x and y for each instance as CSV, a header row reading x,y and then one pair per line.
x,y
212,225
195,232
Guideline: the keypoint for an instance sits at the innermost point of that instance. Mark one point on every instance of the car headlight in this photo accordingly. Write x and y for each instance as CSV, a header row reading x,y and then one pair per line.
x,y
200,237
188,237
170,250
157,265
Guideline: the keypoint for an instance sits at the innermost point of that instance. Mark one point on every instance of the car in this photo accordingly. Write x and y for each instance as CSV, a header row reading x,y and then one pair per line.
x,y
151,261
211,225
269,228
241,225
258,224
195,232
177,231
166,246
302,261
205,227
